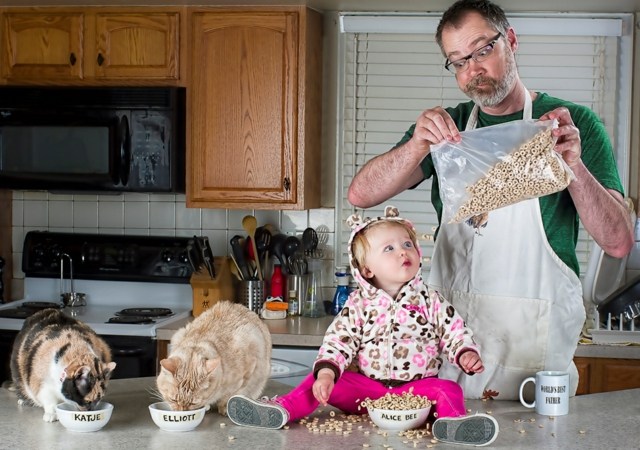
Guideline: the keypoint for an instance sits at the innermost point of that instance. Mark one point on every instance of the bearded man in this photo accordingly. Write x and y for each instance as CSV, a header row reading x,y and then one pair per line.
x,y
517,282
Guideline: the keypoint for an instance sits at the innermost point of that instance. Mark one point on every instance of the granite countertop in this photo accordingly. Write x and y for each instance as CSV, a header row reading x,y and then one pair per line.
x,y
606,420
306,332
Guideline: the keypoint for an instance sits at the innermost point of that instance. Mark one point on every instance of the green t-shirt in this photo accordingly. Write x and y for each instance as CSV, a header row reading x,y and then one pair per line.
x,y
559,215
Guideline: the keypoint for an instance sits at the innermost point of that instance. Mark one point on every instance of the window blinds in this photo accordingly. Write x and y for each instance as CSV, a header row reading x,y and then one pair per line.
x,y
390,76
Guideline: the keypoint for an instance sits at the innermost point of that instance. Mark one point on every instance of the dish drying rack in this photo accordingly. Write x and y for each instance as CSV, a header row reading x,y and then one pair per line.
x,y
621,329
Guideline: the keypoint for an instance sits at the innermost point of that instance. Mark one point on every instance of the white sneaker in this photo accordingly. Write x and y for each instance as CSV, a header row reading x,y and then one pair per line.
x,y
262,413
478,430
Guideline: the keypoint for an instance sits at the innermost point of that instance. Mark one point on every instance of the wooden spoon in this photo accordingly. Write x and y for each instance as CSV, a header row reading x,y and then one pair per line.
x,y
249,223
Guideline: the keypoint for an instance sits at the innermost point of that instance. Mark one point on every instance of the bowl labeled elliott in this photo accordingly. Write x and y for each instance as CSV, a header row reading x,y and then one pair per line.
x,y
169,420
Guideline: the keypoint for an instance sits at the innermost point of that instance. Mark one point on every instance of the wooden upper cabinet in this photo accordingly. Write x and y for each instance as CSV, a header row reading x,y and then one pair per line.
x,y
254,109
137,45
88,45
42,46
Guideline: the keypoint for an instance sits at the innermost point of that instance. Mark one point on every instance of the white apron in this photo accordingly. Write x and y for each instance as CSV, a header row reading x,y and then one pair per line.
x,y
525,317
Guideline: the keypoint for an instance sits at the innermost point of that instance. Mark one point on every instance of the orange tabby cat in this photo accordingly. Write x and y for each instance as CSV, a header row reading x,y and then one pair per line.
x,y
57,358
225,351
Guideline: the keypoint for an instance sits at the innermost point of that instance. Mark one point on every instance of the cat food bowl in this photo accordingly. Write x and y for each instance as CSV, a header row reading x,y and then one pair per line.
x,y
170,420
399,420
74,419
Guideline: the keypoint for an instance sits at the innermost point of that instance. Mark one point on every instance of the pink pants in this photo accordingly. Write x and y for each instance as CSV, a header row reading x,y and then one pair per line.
x,y
352,388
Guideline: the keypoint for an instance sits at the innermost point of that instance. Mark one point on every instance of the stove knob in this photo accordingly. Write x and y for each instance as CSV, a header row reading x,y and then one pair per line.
x,y
184,259
167,256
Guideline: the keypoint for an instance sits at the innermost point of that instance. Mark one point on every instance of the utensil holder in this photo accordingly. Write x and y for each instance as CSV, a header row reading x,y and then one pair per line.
x,y
252,293
208,291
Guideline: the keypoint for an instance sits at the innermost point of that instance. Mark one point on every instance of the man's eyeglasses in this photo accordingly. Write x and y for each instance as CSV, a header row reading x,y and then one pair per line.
x,y
478,55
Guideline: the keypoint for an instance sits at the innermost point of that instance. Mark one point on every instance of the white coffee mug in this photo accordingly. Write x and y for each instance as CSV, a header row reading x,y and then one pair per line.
x,y
552,393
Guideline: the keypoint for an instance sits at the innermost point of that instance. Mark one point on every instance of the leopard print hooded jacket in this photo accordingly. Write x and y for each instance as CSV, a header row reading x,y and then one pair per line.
x,y
401,339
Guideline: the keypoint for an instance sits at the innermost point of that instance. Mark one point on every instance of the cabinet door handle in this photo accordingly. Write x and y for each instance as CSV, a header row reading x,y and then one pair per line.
x,y
100,59
72,59
287,184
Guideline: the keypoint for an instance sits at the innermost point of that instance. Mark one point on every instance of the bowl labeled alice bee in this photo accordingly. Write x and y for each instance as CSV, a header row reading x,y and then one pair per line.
x,y
398,412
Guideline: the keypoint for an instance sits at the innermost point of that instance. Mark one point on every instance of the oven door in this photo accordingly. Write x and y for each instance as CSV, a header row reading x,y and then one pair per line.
x,y
135,356
6,345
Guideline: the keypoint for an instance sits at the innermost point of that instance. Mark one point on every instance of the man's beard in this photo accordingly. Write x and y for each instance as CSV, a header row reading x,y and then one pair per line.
x,y
495,91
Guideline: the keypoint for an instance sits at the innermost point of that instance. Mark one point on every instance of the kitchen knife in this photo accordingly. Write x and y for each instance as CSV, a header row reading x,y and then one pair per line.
x,y
208,256
193,255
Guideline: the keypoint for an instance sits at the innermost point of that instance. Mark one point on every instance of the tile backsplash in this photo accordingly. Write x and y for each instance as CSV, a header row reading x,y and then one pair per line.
x,y
154,214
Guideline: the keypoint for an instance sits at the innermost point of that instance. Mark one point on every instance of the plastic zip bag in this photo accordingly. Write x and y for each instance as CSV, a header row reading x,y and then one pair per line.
x,y
498,166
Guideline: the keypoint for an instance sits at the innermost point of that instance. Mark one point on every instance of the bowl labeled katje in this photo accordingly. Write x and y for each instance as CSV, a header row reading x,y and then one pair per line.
x,y
74,419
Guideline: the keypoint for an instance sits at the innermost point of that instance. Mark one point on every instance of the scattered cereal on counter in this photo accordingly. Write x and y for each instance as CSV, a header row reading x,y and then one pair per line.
x,y
222,424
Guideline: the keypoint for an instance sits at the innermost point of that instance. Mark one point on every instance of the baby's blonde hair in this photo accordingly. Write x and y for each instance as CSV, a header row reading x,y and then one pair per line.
x,y
360,244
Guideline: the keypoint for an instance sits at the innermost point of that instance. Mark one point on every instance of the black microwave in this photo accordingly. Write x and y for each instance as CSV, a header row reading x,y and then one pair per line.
x,y
99,139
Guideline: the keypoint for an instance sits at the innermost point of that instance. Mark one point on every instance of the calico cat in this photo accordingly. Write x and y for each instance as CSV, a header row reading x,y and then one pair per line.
x,y
57,358
225,351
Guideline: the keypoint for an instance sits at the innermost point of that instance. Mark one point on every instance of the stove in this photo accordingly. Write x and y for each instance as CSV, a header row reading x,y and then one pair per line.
x,y
106,300
132,284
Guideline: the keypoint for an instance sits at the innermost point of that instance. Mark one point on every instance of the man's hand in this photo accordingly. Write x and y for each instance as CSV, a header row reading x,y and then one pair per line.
x,y
433,126
568,135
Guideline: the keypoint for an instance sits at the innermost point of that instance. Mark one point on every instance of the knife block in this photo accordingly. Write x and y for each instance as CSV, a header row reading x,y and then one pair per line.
x,y
208,291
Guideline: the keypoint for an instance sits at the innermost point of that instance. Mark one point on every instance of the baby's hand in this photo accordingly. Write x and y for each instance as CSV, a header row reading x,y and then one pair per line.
x,y
323,386
470,362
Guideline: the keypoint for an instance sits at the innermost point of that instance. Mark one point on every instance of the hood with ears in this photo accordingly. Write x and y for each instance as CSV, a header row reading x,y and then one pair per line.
x,y
359,224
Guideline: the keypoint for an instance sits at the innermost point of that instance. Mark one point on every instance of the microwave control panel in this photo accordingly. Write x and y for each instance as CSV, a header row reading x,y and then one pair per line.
x,y
150,164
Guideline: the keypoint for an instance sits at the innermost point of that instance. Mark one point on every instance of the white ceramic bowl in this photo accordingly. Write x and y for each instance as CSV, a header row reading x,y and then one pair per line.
x,y
400,420
170,420
84,421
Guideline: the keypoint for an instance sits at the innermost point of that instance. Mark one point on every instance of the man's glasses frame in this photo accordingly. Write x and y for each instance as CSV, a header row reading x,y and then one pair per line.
x,y
478,55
